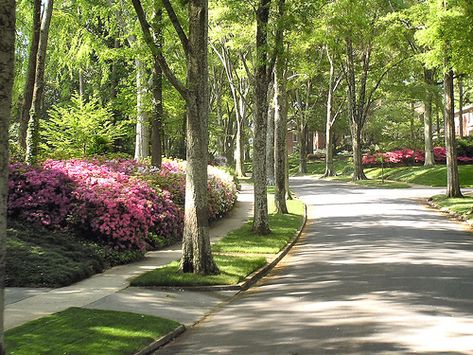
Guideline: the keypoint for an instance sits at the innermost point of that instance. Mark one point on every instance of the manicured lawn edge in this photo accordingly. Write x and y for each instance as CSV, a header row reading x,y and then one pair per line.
x,y
252,278
452,214
162,341
77,330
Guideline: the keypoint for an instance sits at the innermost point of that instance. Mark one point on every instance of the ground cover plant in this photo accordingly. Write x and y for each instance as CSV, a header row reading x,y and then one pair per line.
x,y
85,331
462,206
234,254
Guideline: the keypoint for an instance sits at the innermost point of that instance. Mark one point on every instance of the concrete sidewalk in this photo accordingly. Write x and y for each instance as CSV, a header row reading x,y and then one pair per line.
x,y
109,290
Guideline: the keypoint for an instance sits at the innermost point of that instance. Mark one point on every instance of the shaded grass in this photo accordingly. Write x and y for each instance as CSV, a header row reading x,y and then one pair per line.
x,y
435,176
233,269
378,184
84,331
38,257
462,206
283,229
316,167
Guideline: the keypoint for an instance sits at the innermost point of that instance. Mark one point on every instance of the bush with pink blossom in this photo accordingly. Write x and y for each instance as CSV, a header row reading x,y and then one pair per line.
x,y
120,203
409,157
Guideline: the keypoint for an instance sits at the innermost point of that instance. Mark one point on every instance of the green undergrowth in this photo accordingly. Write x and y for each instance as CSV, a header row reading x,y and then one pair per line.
x,y
85,331
233,269
38,257
435,176
283,229
462,206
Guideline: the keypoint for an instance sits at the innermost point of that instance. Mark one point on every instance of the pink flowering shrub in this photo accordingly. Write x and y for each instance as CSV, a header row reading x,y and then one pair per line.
x,y
121,203
408,157
38,195
222,192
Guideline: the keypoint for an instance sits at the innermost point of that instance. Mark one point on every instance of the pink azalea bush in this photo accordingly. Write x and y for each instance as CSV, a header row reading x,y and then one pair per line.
x,y
120,203
38,195
408,157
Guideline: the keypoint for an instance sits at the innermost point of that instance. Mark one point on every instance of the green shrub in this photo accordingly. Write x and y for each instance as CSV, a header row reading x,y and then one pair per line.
x,y
81,129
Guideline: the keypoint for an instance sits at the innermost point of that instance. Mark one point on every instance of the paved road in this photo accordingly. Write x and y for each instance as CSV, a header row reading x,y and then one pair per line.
x,y
376,272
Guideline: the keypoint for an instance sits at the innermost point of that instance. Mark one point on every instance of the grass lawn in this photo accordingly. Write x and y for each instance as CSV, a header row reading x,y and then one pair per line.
x,y
378,184
38,257
283,229
84,331
316,167
233,269
433,176
462,206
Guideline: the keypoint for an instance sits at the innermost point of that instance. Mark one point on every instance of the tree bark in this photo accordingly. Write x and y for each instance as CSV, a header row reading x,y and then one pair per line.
x,y
196,252
261,220
30,77
280,116
303,148
329,170
142,124
428,139
460,105
453,180
270,138
157,90
7,60
32,138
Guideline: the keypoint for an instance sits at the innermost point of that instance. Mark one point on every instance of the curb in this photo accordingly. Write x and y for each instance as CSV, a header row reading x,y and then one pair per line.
x,y
250,279
162,341
451,214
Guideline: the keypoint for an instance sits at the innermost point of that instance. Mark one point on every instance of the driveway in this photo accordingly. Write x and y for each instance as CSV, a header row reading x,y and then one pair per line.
x,y
375,272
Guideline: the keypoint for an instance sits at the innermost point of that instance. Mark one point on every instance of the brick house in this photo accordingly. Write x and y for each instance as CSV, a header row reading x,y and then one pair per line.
x,y
466,121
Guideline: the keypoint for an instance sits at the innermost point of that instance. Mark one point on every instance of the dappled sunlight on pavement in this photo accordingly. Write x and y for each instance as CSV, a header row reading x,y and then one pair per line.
x,y
375,272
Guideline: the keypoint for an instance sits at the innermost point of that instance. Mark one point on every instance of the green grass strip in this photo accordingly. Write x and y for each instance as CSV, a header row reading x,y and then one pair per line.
x,y
85,331
283,229
462,206
435,176
233,269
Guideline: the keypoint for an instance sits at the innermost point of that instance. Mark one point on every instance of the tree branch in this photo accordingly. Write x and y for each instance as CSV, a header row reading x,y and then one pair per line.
x,y
157,52
177,26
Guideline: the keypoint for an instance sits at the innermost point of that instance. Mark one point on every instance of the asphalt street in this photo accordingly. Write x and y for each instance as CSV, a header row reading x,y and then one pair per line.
x,y
375,272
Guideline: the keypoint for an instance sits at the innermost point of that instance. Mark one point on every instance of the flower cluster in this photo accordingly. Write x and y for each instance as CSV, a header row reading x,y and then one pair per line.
x,y
38,195
408,157
121,203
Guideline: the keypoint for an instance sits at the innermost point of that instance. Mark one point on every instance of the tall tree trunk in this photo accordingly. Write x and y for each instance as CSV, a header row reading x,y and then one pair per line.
x,y
261,220
453,180
32,138
358,173
81,83
157,90
460,105
30,76
196,253
428,139
270,138
142,124
303,148
7,60
280,116
329,170
239,150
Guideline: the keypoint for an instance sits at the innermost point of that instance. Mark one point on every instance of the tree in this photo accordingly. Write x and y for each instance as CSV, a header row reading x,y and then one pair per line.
x,y
262,78
29,84
280,114
32,139
196,252
7,51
